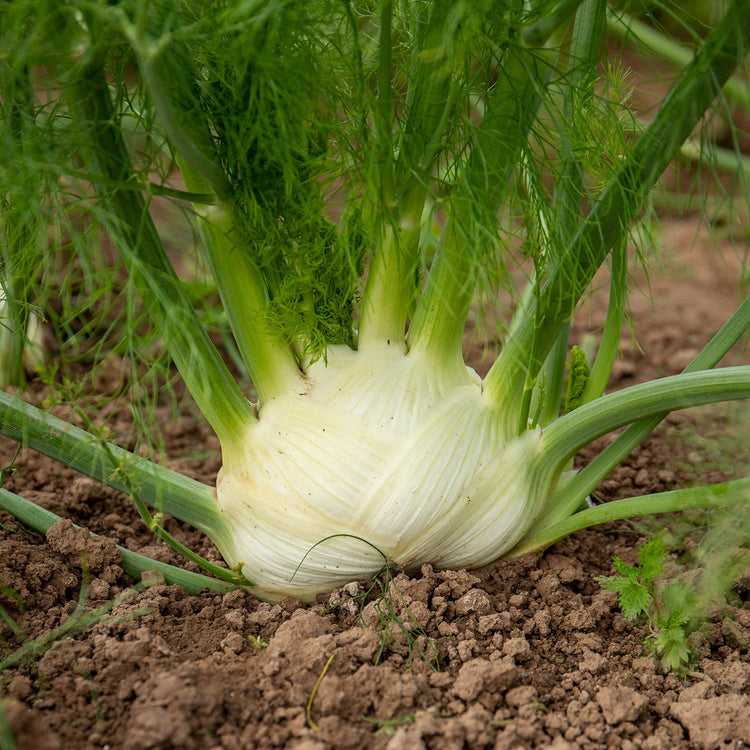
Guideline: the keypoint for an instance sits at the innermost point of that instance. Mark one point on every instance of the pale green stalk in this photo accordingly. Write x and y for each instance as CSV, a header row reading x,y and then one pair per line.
x,y
241,285
553,375
646,401
440,316
390,281
18,237
391,278
565,437
384,107
574,491
269,359
244,296
609,345
163,489
143,481
13,326
711,496
566,204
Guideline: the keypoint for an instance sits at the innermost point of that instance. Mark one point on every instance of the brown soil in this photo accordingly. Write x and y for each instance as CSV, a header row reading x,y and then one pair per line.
x,y
529,653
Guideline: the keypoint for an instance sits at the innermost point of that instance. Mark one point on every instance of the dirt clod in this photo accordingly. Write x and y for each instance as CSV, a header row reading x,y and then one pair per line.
x,y
620,704
715,721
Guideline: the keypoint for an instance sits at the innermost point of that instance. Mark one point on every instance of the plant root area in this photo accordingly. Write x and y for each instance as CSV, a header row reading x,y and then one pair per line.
x,y
528,653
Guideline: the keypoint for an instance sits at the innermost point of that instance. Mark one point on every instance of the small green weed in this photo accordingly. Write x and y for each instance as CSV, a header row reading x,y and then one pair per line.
x,y
8,593
256,642
397,625
399,631
669,609
396,618
389,726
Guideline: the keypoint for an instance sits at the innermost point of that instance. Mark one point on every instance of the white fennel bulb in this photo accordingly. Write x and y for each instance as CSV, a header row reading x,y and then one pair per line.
x,y
388,455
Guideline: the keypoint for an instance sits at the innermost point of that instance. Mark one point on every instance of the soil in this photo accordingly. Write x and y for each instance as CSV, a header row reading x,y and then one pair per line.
x,y
528,653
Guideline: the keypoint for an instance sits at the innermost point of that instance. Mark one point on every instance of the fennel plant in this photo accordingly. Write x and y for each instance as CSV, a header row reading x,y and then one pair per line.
x,y
360,175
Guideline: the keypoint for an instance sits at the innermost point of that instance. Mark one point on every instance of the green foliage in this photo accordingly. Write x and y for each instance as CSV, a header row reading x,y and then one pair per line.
x,y
282,109
669,609
673,624
635,584
273,104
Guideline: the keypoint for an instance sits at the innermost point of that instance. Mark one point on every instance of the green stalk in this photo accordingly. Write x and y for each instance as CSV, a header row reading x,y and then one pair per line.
x,y
151,66
711,496
163,489
153,523
133,231
554,378
581,75
241,286
536,34
689,98
269,360
585,52
390,287
384,106
440,316
390,282
430,94
610,343
13,325
572,493
391,279
626,27
565,437
133,564
17,273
